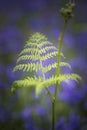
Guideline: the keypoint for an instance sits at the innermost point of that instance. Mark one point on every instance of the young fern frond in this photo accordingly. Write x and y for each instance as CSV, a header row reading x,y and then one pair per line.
x,y
37,50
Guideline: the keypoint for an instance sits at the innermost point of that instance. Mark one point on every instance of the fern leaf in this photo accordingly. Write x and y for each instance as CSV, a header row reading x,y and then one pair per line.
x,y
27,82
27,67
32,53
28,51
65,64
50,48
37,38
38,47
40,41
47,48
54,65
30,44
37,50
41,83
49,55
61,78
28,57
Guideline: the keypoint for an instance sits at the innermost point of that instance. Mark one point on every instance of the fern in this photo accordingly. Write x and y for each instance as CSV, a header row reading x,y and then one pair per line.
x,y
38,49
33,57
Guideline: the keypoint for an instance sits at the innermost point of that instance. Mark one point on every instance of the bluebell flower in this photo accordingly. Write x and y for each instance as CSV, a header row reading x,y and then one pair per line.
x,y
40,110
10,40
74,122
61,124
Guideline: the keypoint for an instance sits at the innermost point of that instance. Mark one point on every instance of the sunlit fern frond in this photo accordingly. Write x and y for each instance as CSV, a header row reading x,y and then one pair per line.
x,y
27,82
61,78
27,57
37,50
27,51
27,67
40,82
54,65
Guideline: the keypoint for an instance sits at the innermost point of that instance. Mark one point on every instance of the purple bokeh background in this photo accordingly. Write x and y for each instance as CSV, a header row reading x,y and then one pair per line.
x,y
22,110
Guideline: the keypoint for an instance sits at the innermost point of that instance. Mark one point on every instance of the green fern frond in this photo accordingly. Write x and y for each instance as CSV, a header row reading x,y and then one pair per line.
x,y
39,83
61,78
49,55
27,82
30,44
42,50
54,65
27,67
37,50
47,48
28,50
65,64
35,56
32,57
37,38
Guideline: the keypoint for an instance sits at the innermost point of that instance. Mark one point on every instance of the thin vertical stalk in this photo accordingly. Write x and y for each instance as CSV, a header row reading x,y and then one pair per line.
x,y
67,16
53,115
60,40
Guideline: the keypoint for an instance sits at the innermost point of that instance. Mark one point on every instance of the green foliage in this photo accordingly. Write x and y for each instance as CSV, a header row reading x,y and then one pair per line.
x,y
37,50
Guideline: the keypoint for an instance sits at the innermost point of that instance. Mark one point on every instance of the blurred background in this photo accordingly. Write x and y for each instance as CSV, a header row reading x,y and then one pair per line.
x,y
22,110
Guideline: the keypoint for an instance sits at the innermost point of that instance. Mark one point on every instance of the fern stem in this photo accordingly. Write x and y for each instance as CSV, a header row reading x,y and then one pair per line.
x,y
67,16
53,115
50,95
60,41
48,91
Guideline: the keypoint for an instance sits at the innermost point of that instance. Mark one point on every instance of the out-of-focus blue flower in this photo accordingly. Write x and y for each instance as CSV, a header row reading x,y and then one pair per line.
x,y
10,40
67,90
23,114
40,110
61,124
79,62
36,24
74,122
55,33
81,40
26,113
30,125
10,75
68,41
